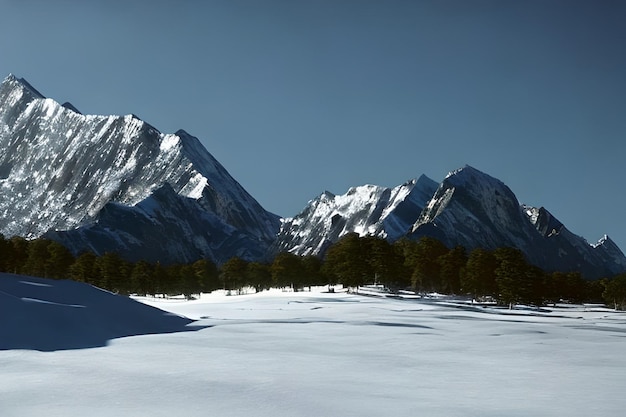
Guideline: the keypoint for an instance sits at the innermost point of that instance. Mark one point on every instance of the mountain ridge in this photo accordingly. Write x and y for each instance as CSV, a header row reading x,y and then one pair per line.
x,y
367,209
61,168
473,209
468,208
111,183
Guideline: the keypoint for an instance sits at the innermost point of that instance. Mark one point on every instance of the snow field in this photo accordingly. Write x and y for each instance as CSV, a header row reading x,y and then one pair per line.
x,y
315,354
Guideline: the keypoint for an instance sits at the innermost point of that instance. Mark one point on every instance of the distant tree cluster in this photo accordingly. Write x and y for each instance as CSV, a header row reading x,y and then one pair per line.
x,y
423,266
428,265
49,259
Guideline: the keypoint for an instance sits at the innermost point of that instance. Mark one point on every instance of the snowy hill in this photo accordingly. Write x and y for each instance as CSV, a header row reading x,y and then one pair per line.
x,y
366,210
47,315
62,173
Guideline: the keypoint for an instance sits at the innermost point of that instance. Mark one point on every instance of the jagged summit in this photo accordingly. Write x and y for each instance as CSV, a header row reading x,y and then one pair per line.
x,y
473,209
466,172
604,239
59,169
468,208
11,78
366,210
71,107
470,176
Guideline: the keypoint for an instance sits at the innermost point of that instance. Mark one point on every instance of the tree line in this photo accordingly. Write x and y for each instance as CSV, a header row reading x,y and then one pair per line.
x,y
423,266
428,265
49,259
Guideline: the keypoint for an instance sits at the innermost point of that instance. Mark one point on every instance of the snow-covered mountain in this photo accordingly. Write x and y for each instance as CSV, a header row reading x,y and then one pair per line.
x,y
469,208
575,250
473,209
366,210
116,183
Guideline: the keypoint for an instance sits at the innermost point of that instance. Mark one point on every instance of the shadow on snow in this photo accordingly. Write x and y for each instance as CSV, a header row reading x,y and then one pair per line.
x,y
49,315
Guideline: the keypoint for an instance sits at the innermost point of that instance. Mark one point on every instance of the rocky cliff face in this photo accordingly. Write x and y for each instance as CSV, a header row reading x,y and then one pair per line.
x,y
572,252
469,208
89,181
473,209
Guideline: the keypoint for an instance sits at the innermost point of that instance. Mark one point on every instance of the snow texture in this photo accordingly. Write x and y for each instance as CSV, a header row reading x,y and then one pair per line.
x,y
318,354
366,210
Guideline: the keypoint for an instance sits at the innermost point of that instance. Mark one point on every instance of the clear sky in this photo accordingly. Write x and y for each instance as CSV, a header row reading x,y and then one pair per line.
x,y
297,97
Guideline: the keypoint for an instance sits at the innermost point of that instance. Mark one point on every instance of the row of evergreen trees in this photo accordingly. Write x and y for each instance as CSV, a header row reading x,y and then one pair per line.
x,y
423,266
49,259
429,266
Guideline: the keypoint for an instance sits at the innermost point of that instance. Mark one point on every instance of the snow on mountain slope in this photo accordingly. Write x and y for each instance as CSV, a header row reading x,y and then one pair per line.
x,y
48,315
59,169
574,250
366,210
469,208
611,254
473,209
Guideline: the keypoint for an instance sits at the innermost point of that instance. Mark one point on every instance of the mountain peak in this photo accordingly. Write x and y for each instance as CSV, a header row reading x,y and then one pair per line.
x,y
473,209
182,132
604,240
366,210
71,107
469,174
12,79
464,170
60,170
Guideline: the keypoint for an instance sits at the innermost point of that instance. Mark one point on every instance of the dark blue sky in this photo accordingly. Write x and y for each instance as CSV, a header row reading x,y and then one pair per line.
x,y
298,97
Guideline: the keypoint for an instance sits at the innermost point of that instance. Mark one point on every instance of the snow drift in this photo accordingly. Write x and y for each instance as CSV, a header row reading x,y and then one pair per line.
x,y
48,315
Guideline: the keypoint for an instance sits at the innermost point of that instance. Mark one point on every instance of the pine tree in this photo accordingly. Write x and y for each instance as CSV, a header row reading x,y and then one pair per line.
x,y
207,274
18,255
233,274
59,260
347,261
615,292
426,269
37,258
452,266
510,275
479,278
82,269
312,271
287,270
259,276
5,253
141,278
112,272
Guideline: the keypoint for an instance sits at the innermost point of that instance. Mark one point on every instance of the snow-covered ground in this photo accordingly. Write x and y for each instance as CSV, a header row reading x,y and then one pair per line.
x,y
318,354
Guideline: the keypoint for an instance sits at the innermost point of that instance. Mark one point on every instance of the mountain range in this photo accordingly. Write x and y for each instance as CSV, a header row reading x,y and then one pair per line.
x,y
117,184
